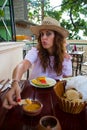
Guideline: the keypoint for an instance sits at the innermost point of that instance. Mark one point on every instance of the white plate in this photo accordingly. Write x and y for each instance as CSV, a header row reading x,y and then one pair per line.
x,y
67,79
50,81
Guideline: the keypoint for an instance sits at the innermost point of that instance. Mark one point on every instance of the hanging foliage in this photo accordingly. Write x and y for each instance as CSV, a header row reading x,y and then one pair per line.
x,y
72,15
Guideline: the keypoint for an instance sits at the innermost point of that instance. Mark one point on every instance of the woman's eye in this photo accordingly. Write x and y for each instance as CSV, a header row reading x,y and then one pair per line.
x,y
42,34
48,33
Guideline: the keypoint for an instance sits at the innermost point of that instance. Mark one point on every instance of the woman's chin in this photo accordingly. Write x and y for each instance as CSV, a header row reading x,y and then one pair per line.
x,y
45,46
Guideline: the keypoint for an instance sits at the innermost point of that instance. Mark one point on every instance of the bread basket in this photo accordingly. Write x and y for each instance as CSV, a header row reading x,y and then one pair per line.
x,y
65,104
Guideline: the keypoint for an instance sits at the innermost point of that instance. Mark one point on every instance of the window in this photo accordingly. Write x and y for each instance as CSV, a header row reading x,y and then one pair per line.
x,y
7,26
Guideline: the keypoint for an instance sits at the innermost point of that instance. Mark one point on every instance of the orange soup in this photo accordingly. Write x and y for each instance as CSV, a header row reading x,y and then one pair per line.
x,y
31,107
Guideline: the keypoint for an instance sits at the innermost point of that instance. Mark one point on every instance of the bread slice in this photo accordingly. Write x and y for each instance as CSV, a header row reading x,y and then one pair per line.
x,y
72,94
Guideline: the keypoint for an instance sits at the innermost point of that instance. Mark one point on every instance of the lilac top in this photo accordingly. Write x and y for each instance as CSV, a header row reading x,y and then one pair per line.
x,y
37,69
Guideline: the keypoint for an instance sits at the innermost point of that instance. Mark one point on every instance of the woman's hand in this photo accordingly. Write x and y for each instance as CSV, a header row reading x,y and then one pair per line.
x,y
12,97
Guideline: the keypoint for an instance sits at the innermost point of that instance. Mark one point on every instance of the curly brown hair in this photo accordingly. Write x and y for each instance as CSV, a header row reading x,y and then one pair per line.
x,y
58,53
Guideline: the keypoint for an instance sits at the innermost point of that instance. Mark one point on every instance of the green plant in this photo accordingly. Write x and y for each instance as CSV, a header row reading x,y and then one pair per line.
x,y
1,13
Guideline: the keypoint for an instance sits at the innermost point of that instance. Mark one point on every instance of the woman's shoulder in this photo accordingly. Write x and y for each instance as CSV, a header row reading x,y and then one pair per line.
x,y
32,54
33,50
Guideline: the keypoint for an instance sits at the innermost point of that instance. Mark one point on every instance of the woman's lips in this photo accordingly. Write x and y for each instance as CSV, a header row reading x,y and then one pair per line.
x,y
44,43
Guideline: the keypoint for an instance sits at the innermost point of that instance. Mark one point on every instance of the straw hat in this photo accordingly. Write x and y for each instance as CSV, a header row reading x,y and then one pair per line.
x,y
51,24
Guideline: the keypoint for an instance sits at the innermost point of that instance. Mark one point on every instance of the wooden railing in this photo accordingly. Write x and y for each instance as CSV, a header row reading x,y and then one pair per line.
x,y
77,42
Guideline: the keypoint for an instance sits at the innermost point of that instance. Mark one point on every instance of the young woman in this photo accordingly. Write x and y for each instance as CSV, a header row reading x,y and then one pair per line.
x,y
47,59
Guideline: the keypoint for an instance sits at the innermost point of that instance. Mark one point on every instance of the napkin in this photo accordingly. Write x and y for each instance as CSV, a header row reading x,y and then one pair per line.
x,y
80,84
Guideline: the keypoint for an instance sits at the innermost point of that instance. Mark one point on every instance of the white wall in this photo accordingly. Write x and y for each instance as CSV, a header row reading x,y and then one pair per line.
x,y
11,53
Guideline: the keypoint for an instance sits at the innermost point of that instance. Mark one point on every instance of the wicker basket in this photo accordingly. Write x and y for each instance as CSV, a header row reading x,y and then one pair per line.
x,y
64,104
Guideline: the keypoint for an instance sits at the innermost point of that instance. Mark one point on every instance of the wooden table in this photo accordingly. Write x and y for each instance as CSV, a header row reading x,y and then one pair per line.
x,y
15,119
77,60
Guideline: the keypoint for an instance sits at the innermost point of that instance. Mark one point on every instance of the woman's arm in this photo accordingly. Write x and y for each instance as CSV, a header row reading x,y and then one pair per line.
x,y
15,90
20,69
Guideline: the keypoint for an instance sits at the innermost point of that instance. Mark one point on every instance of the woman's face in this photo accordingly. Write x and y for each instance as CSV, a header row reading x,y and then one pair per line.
x,y
47,38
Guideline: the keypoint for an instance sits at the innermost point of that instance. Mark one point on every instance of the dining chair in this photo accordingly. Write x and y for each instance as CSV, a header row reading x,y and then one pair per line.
x,y
80,48
26,48
76,64
84,66
25,51
84,69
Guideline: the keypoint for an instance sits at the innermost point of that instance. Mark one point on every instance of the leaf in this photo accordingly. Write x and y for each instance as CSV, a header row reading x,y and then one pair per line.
x,y
1,13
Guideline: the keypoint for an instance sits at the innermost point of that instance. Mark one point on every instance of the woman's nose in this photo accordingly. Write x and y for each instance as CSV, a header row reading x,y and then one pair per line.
x,y
44,36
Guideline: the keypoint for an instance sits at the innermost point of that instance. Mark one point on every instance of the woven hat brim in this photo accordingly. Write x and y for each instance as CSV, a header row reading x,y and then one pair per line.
x,y
36,29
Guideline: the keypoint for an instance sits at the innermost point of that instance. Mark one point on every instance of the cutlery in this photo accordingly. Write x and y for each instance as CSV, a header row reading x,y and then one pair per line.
x,y
6,85
4,92
1,81
3,86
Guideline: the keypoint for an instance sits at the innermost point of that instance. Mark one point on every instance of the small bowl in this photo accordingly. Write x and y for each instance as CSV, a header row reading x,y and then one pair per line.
x,y
32,109
49,123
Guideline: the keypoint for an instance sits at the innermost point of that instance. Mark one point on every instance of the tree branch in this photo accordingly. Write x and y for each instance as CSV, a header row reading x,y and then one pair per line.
x,y
71,18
